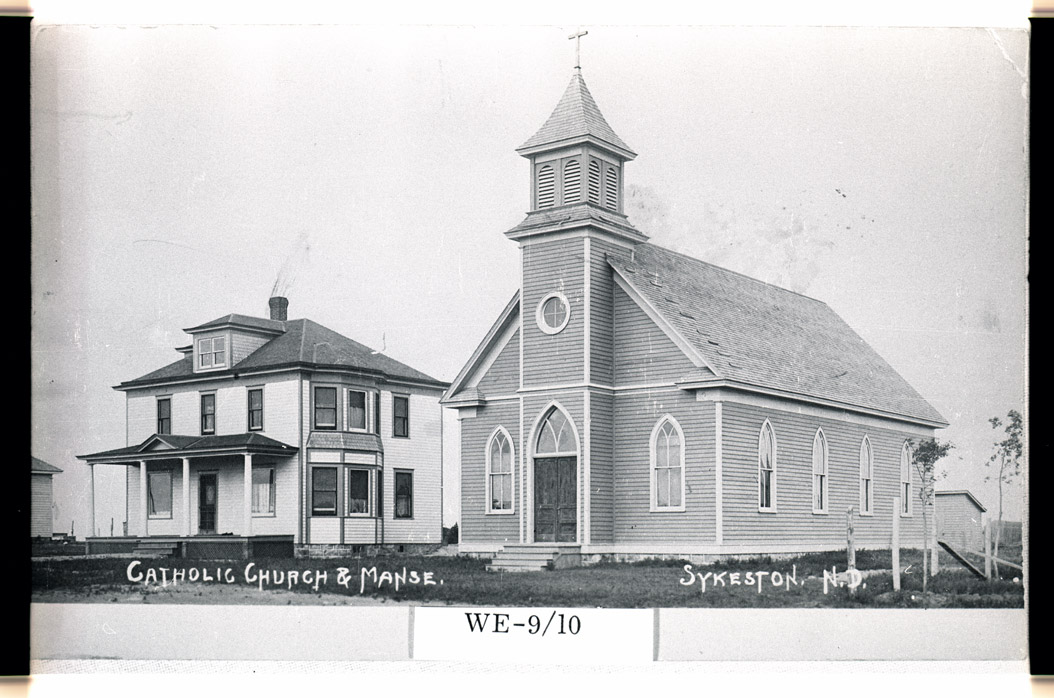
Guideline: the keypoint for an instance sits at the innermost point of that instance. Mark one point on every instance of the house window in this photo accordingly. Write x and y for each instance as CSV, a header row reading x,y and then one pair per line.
x,y
376,413
212,353
164,415
572,181
553,313
404,495
324,492
867,475
905,480
400,416
159,494
767,468
357,409
819,473
546,186
263,491
499,472
255,409
358,480
208,413
667,466
325,408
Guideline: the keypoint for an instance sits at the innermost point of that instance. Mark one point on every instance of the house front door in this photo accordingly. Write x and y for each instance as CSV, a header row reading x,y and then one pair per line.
x,y
207,503
555,500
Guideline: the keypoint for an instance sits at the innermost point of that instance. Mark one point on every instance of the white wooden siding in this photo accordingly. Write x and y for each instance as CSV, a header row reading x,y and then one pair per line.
x,y
793,521
601,467
959,522
324,529
361,530
601,313
40,506
643,352
503,376
636,415
475,524
547,267
421,453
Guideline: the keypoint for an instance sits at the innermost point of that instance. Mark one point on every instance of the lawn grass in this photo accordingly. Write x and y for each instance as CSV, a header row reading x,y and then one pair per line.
x,y
646,584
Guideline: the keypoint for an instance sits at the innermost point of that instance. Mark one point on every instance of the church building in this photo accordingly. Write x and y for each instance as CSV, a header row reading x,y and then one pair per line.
x,y
633,401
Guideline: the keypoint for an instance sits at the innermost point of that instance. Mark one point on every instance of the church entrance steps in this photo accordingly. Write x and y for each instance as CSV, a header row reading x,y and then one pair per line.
x,y
533,557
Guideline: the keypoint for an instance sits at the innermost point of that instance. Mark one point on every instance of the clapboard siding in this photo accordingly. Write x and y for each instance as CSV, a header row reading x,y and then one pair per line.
x,y
601,467
503,376
323,530
602,312
421,453
40,506
636,415
553,266
280,408
476,525
959,521
643,352
361,530
794,521
243,344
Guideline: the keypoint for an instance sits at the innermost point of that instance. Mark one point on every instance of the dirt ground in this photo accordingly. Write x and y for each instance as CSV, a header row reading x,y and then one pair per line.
x,y
219,594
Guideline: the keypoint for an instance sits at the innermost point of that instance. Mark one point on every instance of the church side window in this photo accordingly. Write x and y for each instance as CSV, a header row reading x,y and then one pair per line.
x,y
546,186
905,480
819,473
594,182
572,181
867,477
499,473
767,469
667,466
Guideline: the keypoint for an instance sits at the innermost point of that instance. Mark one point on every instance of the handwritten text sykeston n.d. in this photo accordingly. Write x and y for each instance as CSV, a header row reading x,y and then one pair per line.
x,y
367,577
773,579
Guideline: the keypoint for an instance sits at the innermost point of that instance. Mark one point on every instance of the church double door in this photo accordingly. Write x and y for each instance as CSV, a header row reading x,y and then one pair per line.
x,y
555,500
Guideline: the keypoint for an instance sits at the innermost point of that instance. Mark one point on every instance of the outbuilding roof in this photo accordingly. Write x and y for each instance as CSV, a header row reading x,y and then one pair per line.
x,y
967,493
752,333
303,343
38,466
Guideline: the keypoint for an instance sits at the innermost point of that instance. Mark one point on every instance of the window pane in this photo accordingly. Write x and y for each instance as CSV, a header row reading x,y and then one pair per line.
x,y
546,439
675,487
326,408
160,493
219,343
324,490
356,409
766,483
400,416
262,500
662,488
325,478
403,495
358,491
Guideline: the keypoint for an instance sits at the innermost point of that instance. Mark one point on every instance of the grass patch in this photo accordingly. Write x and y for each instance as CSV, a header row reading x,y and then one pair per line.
x,y
646,584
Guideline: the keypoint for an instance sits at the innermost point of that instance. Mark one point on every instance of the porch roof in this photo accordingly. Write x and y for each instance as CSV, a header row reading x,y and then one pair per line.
x,y
163,446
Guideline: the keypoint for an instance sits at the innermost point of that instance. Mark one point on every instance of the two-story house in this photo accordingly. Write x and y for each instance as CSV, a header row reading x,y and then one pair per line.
x,y
270,434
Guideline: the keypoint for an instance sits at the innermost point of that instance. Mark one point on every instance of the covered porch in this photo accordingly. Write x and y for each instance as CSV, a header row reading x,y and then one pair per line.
x,y
204,492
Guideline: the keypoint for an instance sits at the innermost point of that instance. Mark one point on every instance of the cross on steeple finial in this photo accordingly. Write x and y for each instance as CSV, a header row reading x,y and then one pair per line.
x,y
577,36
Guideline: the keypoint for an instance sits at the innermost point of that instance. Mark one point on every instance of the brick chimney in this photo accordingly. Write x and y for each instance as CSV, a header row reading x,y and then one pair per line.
x,y
279,306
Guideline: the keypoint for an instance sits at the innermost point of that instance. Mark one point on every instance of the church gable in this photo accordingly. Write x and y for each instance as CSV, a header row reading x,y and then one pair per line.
x,y
502,377
643,351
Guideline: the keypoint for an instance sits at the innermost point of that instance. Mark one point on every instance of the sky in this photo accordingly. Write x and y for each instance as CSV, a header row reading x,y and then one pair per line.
x,y
179,172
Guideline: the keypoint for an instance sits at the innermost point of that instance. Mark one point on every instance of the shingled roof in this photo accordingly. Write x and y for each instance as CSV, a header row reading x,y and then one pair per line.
x,y
303,343
576,116
753,333
38,466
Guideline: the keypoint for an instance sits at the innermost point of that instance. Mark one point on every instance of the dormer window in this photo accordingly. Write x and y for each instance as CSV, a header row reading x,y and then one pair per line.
x,y
212,352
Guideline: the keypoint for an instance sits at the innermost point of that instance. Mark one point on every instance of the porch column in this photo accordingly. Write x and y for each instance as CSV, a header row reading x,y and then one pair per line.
x,y
92,531
247,496
142,498
186,496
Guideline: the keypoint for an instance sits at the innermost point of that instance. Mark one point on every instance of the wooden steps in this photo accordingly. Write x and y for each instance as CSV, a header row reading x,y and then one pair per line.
x,y
534,557
154,548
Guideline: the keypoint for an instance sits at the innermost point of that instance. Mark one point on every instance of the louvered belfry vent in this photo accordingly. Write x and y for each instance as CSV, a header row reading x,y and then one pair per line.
x,y
594,182
572,181
611,189
546,186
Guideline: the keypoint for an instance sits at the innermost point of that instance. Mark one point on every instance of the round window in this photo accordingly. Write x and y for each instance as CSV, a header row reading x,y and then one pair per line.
x,y
553,313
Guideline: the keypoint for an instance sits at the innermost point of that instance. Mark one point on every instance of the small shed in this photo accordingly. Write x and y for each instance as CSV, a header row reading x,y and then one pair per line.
x,y
40,498
959,520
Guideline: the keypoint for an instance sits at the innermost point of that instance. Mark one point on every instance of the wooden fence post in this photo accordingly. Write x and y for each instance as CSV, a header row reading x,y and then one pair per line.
x,y
934,565
988,551
895,547
850,548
